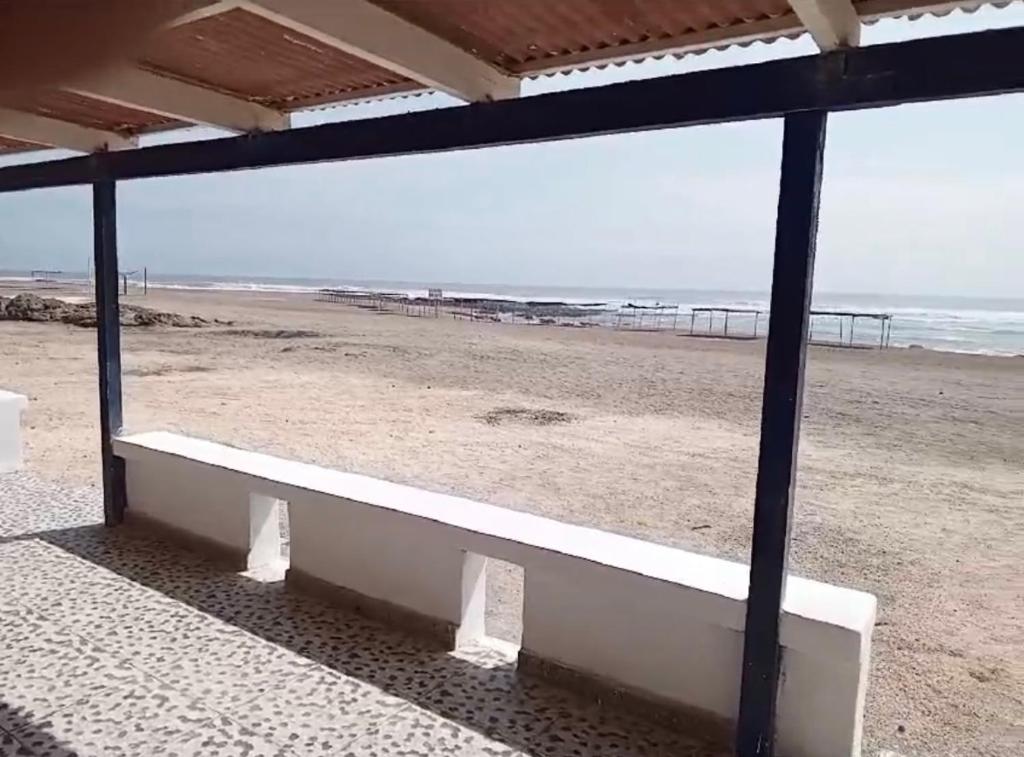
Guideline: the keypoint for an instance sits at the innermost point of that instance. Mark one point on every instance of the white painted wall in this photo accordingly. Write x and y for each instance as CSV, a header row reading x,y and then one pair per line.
x,y
661,621
11,407
648,635
379,553
210,504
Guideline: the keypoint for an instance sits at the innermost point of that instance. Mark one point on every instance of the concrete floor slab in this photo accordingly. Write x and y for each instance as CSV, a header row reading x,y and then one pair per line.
x,y
115,642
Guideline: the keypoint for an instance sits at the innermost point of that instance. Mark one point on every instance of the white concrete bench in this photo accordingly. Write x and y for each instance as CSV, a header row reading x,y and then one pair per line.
x,y
600,610
11,407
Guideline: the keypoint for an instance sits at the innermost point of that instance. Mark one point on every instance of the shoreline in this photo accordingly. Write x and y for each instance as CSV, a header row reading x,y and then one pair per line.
x,y
78,289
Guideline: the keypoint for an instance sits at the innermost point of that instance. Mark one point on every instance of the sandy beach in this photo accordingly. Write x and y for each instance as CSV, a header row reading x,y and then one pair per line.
x,y
911,480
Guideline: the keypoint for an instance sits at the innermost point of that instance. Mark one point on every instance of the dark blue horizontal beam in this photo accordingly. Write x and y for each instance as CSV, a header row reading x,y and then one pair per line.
x,y
967,65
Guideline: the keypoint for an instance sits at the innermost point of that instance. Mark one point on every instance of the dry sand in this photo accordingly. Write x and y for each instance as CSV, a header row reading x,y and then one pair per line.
x,y
911,479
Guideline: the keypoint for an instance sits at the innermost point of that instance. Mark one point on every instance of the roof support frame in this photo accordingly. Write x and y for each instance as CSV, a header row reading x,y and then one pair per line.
x,y
108,346
29,127
135,88
363,29
796,235
938,68
831,23
214,9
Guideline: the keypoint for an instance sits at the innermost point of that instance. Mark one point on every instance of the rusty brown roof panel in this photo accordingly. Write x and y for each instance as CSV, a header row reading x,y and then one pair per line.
x,y
532,35
872,10
8,146
246,55
87,111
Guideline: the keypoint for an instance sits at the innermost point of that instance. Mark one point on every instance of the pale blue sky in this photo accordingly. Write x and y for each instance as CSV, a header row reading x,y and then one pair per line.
x,y
922,199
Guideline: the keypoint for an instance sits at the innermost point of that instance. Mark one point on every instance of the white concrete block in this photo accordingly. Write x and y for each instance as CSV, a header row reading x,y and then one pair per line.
x,y
264,546
208,508
379,554
648,620
474,599
821,705
646,635
11,408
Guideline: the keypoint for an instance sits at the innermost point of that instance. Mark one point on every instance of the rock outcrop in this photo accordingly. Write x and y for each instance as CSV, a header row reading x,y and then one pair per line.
x,y
32,307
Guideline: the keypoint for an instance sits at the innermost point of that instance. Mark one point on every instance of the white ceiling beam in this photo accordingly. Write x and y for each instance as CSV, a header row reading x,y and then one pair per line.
x,y
367,31
214,9
29,127
142,90
832,23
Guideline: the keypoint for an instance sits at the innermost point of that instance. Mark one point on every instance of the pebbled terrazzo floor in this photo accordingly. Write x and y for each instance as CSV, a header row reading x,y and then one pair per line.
x,y
114,643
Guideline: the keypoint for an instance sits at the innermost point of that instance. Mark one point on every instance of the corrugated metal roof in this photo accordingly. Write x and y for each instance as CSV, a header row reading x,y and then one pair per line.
x,y
253,58
8,145
86,111
248,56
872,10
530,35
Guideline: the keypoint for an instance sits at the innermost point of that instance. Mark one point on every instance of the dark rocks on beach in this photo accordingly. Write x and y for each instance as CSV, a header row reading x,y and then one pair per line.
x,y
32,307
525,416
273,333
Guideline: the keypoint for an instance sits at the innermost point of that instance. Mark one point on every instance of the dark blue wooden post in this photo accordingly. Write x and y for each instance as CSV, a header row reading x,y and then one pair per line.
x,y
796,234
108,336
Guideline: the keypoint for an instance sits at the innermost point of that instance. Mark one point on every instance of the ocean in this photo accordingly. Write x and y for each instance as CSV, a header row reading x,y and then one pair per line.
x,y
978,325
